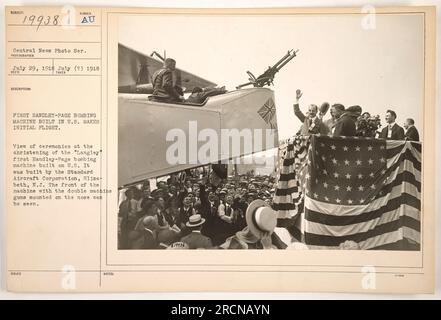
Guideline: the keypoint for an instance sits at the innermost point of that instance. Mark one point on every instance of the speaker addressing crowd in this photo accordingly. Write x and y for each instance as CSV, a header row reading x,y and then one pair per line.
x,y
351,121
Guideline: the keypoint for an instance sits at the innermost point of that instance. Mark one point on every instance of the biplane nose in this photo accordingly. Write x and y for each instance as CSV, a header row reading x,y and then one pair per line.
x,y
156,139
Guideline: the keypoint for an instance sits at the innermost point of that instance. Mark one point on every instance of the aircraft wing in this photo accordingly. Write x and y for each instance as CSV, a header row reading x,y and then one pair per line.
x,y
136,69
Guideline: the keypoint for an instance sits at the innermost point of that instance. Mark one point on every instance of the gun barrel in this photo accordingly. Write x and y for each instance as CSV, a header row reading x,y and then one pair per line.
x,y
286,61
267,77
282,59
244,85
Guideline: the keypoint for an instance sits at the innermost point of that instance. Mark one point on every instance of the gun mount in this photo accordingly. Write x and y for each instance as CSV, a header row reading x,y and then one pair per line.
x,y
267,78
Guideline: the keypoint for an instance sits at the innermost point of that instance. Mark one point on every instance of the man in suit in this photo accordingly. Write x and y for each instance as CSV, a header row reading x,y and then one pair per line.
x,y
225,227
312,123
392,131
411,132
196,240
345,125
337,110
209,206
185,211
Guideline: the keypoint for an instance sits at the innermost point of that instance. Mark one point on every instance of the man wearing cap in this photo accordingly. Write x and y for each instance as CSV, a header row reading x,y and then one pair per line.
x,y
345,125
392,131
196,240
222,195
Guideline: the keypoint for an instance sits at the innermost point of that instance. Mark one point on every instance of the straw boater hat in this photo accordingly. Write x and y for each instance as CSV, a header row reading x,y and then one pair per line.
x,y
260,218
195,221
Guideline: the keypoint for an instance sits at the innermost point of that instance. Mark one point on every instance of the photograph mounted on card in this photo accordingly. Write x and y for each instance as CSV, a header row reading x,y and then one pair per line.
x,y
338,162
273,149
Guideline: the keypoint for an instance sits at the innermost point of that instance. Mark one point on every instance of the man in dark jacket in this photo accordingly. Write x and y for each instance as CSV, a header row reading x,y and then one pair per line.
x,y
411,132
337,110
164,88
345,125
209,206
392,131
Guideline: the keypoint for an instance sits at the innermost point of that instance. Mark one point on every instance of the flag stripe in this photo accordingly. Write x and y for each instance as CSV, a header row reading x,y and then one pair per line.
x,y
360,226
287,184
287,191
325,240
405,166
386,241
287,177
417,146
408,160
406,201
406,155
406,152
405,177
284,206
389,238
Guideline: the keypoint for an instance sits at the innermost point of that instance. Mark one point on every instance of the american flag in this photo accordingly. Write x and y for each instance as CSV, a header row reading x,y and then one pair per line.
x,y
332,190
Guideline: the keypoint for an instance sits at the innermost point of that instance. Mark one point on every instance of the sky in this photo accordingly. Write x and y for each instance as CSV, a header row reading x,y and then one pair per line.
x,y
338,61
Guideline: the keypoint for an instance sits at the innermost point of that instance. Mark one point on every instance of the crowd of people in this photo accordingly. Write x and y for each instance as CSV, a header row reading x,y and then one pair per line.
x,y
351,121
194,210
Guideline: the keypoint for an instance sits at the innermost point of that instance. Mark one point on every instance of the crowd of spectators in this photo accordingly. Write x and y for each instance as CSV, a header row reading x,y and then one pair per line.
x,y
191,210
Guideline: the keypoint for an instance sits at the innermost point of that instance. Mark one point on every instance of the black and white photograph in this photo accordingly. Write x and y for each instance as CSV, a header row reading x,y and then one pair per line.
x,y
285,132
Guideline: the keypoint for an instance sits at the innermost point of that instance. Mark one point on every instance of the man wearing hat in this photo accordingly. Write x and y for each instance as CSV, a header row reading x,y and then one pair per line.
x,y
345,125
222,195
261,222
219,172
196,240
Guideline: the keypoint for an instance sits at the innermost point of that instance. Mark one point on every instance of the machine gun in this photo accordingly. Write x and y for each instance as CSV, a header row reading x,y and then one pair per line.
x,y
267,78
